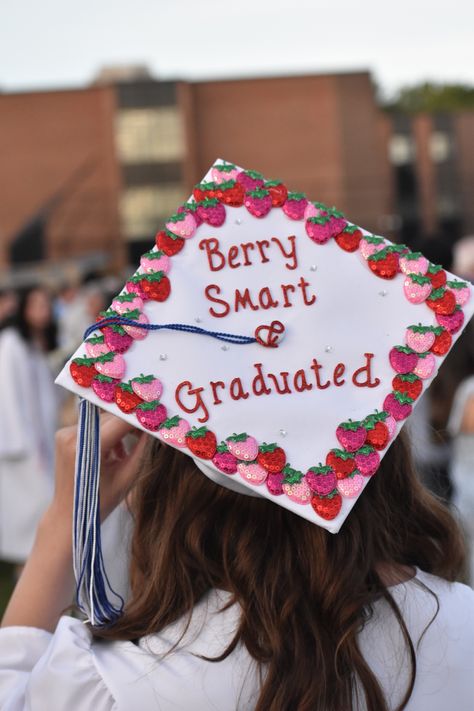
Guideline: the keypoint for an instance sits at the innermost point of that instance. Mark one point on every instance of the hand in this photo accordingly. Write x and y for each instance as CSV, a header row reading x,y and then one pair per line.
x,y
118,469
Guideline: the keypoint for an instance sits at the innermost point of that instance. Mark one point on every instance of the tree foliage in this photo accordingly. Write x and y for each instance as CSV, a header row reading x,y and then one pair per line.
x,y
431,97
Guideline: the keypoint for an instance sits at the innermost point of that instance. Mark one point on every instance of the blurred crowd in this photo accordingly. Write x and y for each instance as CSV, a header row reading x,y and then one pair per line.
x,y
40,328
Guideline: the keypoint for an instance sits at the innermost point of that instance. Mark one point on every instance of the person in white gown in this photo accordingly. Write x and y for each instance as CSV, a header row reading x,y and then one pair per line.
x,y
28,421
236,603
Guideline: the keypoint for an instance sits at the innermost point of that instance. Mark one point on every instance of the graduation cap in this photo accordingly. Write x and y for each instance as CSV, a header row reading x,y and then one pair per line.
x,y
279,345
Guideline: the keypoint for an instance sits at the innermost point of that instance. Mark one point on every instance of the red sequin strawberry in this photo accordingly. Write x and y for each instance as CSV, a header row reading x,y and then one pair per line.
x,y
156,286
96,346
367,460
173,430
403,359
212,212
295,485
231,193
414,263
134,288
278,192
83,371
349,238
250,179
224,460
443,341
203,191
417,288
125,398
351,435
451,322
461,291
409,384
155,261
147,387
252,473
271,457
243,446
341,461
258,202
169,243
377,431
398,405
274,483
385,263
370,244
419,338
436,275
321,480
151,415
182,224
104,387
201,442
295,205
327,507
441,301
223,172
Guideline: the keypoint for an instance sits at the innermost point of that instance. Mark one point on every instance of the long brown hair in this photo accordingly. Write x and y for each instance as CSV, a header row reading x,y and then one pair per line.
x,y
304,593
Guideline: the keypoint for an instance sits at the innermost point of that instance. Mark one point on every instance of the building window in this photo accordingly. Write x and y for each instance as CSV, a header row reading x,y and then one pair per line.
x,y
401,149
144,209
440,147
148,135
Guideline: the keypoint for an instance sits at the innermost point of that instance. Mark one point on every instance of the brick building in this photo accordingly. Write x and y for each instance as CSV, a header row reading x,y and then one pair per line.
x,y
126,151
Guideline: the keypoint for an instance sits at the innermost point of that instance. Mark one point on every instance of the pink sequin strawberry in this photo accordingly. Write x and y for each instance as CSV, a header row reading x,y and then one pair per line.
x,y
351,435
133,287
155,261
96,346
104,387
116,338
111,364
128,301
212,212
151,415
321,479
398,405
391,425
351,485
192,207
321,229
295,206
258,202
315,209
327,507
137,333
250,179
452,322
243,446
414,263
367,460
417,288
274,483
222,172
419,338
370,244
147,387
252,473
403,359
173,430
461,291
426,366
295,485
183,224
224,460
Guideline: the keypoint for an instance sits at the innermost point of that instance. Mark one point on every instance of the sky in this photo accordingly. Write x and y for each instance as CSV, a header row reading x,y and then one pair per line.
x,y
56,44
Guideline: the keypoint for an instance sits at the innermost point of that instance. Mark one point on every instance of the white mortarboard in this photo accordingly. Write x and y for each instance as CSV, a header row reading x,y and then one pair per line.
x,y
272,340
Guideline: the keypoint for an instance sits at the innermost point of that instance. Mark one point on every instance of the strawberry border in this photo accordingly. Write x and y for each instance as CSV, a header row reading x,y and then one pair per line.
x,y
260,463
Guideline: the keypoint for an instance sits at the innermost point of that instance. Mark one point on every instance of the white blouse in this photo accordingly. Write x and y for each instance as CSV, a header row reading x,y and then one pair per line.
x,y
69,671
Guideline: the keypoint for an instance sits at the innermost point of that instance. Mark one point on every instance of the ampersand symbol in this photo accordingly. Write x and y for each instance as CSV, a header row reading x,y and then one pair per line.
x,y
270,336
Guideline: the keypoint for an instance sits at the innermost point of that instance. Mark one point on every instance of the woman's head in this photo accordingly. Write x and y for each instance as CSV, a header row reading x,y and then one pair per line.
x,y
304,592
35,317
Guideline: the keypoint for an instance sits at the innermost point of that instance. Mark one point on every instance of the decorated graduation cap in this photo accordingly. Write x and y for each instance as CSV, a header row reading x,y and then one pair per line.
x,y
279,345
